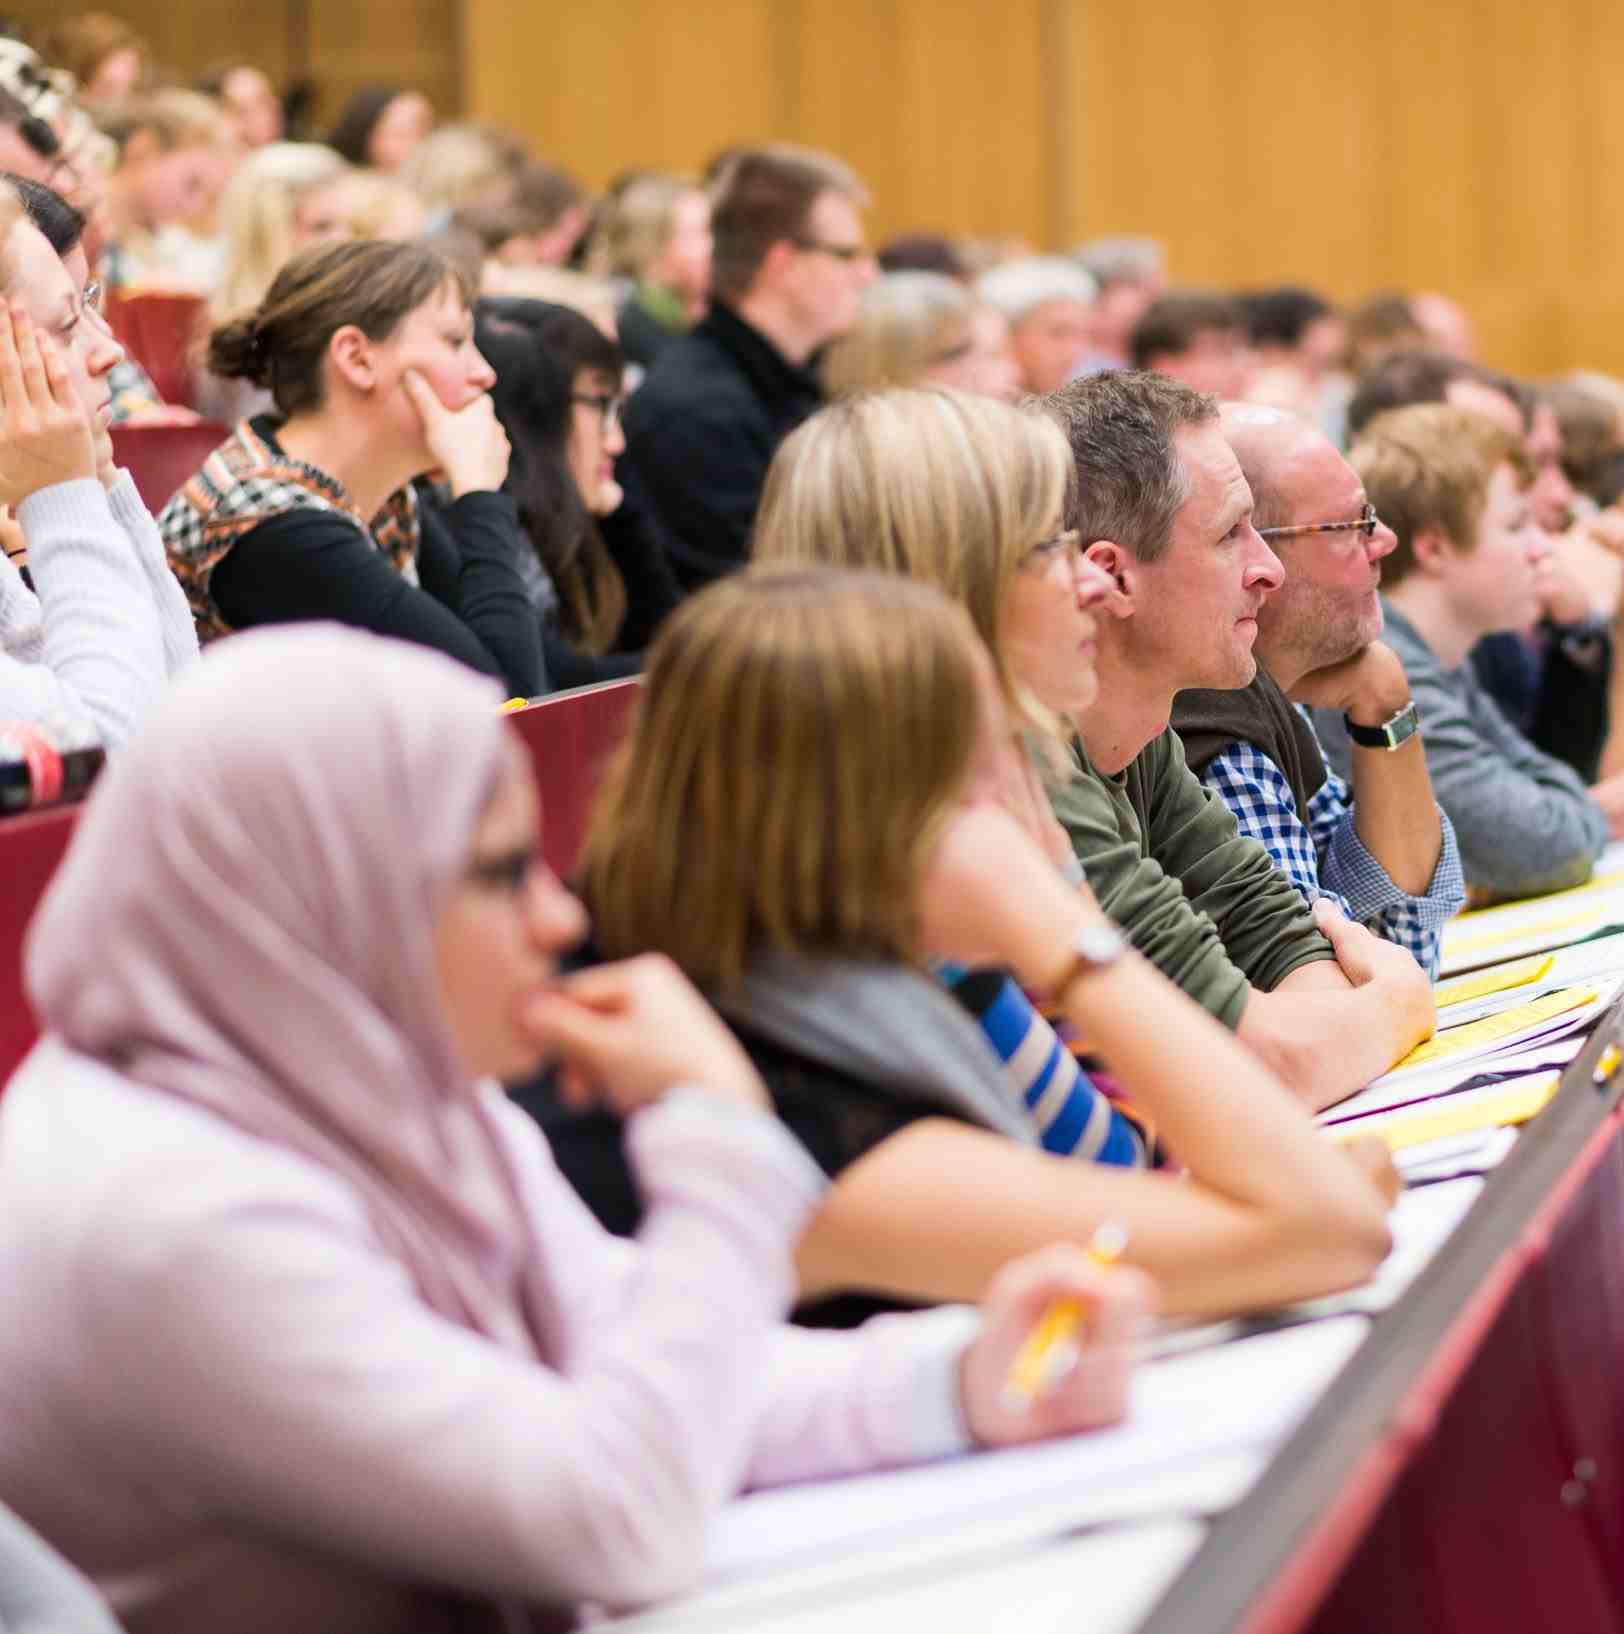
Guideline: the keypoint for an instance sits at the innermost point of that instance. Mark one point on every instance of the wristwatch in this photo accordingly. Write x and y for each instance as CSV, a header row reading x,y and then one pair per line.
x,y
1093,948
1391,733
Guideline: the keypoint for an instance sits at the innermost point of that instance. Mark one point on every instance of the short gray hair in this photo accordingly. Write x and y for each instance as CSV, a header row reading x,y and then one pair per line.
x,y
1131,483
1017,288
1120,260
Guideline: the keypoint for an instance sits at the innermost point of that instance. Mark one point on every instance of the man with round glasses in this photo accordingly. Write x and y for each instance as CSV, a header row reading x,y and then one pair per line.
x,y
1377,843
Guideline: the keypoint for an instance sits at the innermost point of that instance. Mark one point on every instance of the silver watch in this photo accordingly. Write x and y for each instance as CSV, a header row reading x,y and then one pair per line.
x,y
1397,730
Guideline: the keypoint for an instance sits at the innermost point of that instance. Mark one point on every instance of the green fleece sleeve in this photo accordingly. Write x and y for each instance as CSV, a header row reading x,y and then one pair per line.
x,y
1261,917
1168,865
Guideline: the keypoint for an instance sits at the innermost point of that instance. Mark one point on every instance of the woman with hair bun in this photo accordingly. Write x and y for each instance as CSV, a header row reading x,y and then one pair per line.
x,y
310,512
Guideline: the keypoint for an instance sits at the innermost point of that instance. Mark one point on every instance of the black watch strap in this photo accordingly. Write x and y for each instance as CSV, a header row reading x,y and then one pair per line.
x,y
1391,733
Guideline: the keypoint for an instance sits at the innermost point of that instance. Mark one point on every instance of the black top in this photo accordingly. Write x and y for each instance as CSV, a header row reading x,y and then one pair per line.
x,y
316,564
1208,721
701,432
1553,689
642,336
837,1118
638,549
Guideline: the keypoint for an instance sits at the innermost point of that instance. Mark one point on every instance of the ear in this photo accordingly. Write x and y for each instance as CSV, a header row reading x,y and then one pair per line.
x,y
779,258
1433,550
1122,568
351,355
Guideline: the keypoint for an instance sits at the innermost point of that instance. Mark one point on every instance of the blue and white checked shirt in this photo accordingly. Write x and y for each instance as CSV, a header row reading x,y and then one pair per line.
x,y
1326,857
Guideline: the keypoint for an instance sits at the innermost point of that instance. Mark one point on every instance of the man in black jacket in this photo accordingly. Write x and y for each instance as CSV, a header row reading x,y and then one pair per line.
x,y
789,269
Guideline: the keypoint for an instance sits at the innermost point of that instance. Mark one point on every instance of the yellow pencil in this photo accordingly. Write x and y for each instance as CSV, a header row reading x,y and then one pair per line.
x,y
1050,1349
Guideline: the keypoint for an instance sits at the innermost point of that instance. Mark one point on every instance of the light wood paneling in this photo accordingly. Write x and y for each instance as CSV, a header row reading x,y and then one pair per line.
x,y
600,87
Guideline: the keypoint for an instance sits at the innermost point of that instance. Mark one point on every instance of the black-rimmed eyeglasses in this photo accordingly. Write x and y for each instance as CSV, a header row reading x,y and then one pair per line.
x,y
1366,526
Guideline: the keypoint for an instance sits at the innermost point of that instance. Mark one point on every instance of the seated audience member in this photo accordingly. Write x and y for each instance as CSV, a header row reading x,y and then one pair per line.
x,y
1299,342
250,102
1445,324
1380,847
923,252
1454,489
1551,682
463,165
175,153
284,198
843,839
921,329
597,575
322,1288
1197,338
380,205
36,148
787,276
1164,512
367,349
108,59
1128,273
381,126
1589,413
656,235
86,651
593,298
1046,300
1380,327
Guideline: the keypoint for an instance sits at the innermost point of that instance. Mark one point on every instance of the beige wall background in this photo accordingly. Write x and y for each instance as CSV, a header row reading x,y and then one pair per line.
x,y
1472,145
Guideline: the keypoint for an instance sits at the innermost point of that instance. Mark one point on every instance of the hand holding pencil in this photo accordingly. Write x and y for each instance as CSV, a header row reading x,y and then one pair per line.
x,y
1059,1297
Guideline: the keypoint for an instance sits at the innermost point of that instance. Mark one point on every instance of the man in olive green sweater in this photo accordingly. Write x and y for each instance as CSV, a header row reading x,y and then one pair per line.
x,y
1164,510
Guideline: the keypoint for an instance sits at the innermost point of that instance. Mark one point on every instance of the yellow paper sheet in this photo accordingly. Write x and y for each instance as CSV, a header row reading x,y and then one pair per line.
x,y
1496,979
1515,1103
1476,1034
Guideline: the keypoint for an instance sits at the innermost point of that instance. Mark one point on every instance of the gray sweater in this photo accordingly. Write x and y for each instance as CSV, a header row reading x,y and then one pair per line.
x,y
1525,821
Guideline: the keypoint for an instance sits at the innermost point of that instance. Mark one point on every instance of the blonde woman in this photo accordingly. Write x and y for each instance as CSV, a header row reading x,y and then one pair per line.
x,y
923,329
284,198
655,233
176,150
799,821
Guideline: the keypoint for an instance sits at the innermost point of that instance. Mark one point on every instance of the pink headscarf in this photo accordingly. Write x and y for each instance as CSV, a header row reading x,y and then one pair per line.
x,y
244,920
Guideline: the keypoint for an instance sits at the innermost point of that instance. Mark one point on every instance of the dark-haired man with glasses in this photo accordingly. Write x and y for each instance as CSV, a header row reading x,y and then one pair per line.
x,y
1381,847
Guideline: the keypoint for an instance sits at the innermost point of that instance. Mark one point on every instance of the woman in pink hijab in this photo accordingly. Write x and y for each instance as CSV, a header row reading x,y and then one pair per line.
x,y
300,1328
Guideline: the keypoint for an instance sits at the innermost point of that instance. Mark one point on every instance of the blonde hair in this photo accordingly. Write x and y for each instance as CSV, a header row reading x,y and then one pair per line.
x,y
634,224
936,485
257,212
463,164
378,205
908,321
1429,466
800,737
178,119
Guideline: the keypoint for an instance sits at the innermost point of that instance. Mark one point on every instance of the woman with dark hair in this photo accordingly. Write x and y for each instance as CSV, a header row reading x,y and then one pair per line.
x,y
380,125
599,578
367,350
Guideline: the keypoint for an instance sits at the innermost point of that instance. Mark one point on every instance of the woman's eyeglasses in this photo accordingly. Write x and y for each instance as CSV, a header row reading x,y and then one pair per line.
x,y
608,405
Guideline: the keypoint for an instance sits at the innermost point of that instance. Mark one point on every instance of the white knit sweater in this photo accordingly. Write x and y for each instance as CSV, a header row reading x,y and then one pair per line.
x,y
88,656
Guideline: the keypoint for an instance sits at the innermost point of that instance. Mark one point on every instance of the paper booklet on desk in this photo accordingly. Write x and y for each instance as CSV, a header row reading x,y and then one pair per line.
x,y
1515,929
1434,1086
1184,1411
1589,961
1458,1114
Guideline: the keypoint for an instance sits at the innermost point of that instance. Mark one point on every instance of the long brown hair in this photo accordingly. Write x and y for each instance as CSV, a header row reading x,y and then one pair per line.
x,y
801,735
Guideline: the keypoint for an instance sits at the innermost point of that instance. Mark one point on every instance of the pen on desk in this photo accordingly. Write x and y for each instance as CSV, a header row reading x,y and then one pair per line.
x,y
1050,1349
1607,1064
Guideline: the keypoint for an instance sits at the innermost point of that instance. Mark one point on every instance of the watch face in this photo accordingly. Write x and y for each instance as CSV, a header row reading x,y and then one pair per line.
x,y
1100,944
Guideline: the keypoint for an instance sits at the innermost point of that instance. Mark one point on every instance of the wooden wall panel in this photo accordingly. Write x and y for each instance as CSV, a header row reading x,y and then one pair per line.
x,y
603,87
337,44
